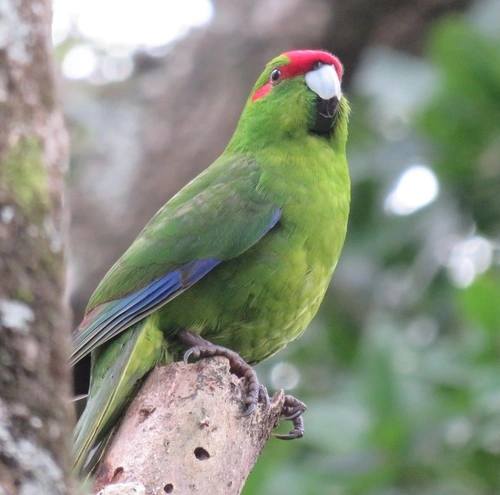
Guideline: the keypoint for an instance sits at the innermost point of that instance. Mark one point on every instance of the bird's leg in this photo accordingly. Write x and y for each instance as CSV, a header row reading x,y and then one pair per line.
x,y
292,411
200,348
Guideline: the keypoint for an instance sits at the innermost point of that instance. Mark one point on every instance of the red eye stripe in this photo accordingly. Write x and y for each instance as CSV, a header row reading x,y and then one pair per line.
x,y
262,91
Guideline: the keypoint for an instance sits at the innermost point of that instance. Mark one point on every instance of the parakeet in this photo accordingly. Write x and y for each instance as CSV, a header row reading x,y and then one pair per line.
x,y
239,258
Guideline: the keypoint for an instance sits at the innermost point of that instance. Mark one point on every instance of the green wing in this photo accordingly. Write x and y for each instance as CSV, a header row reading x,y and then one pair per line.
x,y
216,217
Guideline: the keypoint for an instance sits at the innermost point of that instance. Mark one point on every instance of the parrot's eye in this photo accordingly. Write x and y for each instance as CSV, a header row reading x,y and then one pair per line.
x,y
317,65
275,75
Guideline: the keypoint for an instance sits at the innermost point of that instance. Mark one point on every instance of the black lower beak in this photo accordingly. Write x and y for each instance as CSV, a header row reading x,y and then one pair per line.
x,y
325,116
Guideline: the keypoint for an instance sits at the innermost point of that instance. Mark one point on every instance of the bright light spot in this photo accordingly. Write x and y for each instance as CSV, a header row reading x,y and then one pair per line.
x,y
416,187
127,25
469,258
285,375
16,315
62,19
7,214
80,62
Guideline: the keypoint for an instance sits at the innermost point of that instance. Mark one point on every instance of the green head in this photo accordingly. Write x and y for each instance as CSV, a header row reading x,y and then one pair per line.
x,y
297,96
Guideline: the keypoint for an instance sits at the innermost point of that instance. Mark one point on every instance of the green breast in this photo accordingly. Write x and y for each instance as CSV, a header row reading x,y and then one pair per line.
x,y
258,302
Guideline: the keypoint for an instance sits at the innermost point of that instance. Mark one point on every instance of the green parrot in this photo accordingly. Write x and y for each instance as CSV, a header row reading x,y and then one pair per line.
x,y
238,261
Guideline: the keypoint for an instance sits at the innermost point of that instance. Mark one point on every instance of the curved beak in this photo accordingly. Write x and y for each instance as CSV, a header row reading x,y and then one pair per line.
x,y
324,82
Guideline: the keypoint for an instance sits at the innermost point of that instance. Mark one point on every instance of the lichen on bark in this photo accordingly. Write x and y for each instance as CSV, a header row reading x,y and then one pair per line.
x,y
24,175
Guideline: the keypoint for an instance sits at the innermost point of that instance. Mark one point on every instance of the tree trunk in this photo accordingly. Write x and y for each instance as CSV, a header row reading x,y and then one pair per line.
x,y
35,421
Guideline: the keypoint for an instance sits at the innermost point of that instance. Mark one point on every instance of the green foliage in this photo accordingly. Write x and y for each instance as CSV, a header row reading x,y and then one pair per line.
x,y
400,371
464,118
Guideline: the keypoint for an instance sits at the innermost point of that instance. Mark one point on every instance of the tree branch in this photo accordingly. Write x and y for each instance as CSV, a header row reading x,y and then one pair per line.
x,y
184,433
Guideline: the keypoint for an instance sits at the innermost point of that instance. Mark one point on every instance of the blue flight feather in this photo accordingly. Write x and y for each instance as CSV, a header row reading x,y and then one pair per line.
x,y
122,313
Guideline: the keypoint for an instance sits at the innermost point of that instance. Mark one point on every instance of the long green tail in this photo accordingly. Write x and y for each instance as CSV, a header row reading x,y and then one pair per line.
x,y
116,372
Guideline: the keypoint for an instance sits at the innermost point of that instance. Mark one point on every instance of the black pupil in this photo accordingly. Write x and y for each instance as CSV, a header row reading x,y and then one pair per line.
x,y
275,75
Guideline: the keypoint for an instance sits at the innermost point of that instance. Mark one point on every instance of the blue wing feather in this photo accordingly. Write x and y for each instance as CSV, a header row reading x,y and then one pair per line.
x,y
118,315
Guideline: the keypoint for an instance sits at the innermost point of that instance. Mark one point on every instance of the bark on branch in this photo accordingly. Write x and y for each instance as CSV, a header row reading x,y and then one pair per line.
x,y
184,433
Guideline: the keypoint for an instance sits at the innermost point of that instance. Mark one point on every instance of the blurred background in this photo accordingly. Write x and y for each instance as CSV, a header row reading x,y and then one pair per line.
x,y
401,369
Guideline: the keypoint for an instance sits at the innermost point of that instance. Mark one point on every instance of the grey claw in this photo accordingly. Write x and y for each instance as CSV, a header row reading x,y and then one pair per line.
x,y
187,355
292,416
249,410
292,411
297,432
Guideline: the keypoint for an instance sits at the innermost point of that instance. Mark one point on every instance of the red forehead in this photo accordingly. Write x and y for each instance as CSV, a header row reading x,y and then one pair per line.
x,y
302,61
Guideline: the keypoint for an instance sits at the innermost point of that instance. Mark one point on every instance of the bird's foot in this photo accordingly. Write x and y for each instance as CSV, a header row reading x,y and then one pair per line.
x,y
292,411
292,408
200,348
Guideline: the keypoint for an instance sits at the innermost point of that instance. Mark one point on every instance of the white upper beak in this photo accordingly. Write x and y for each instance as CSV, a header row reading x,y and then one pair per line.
x,y
324,82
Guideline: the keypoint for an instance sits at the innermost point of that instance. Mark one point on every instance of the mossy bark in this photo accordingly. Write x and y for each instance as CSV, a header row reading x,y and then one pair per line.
x,y
35,420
